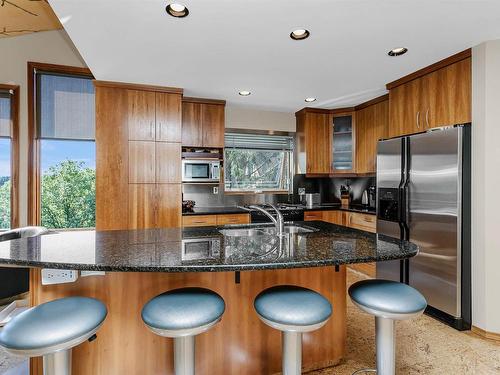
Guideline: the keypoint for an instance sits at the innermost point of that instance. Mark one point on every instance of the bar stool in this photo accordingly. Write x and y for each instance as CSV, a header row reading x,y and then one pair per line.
x,y
293,310
387,301
52,329
182,314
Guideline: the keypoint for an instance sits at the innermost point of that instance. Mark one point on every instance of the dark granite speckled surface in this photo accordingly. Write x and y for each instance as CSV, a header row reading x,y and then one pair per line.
x,y
161,250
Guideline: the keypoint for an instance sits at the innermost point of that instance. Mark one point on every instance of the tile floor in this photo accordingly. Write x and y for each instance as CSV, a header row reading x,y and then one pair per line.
x,y
424,346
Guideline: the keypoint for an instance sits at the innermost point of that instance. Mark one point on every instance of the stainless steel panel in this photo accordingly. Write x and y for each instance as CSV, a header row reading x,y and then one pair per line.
x,y
433,217
388,176
389,163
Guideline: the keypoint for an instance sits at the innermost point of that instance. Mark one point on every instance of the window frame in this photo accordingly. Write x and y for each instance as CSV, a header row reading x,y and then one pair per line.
x,y
34,141
14,153
291,164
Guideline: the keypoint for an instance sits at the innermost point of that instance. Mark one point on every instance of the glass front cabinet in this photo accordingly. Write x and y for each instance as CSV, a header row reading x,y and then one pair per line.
x,y
343,143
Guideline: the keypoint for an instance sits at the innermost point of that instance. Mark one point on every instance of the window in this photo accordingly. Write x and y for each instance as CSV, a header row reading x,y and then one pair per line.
x,y
256,162
65,149
8,156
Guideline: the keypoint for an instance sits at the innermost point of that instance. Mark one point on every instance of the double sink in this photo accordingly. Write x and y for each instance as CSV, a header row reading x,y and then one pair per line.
x,y
266,230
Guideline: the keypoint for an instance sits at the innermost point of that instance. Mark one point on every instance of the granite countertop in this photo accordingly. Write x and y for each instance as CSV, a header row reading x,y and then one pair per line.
x,y
162,250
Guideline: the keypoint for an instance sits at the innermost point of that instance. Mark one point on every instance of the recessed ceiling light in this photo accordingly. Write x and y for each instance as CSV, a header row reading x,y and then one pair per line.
x,y
299,34
398,51
244,93
310,100
177,10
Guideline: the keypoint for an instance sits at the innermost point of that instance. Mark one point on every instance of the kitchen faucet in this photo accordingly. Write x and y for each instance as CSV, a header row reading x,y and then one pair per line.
x,y
278,222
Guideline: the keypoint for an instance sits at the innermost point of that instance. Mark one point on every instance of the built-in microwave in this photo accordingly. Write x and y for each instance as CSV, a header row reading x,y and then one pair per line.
x,y
200,170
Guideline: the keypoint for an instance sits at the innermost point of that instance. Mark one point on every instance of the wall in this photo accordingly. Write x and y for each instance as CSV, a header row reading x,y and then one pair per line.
x,y
245,118
485,183
49,47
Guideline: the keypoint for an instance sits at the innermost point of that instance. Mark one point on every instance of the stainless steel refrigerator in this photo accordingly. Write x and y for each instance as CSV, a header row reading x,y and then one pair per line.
x,y
423,195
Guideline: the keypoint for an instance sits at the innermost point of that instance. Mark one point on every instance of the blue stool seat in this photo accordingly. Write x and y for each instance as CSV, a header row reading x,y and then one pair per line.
x,y
287,306
179,311
388,299
52,326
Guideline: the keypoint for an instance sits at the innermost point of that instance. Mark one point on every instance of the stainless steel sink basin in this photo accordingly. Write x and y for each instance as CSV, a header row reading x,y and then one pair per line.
x,y
267,230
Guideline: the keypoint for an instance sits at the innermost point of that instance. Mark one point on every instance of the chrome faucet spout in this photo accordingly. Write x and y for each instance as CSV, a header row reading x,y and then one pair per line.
x,y
278,222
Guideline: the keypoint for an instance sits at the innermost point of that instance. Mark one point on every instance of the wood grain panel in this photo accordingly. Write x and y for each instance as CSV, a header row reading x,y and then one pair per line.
x,y
371,125
111,158
168,117
239,344
169,205
318,138
168,162
212,118
362,221
199,220
233,219
142,166
192,134
142,206
141,115
313,215
335,217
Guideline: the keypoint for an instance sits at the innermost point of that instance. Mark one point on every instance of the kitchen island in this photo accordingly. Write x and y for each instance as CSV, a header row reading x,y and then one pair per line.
x,y
237,263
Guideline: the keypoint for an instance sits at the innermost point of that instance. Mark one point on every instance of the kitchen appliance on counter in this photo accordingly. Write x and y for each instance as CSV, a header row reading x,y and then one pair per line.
x,y
290,212
423,196
312,199
198,170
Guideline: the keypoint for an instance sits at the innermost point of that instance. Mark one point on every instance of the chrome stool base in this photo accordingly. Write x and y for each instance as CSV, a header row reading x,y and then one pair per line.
x,y
57,363
292,352
184,355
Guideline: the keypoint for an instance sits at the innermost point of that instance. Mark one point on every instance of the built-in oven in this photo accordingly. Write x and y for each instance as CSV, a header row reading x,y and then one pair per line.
x,y
200,170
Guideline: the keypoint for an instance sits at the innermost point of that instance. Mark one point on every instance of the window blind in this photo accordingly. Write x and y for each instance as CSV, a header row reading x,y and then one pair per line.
x,y
65,107
259,141
5,115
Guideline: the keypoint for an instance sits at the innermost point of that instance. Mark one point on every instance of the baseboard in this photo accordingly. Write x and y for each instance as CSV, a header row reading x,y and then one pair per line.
x,y
485,334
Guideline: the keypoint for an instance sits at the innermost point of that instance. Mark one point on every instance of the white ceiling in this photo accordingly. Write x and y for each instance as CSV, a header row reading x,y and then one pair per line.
x,y
224,46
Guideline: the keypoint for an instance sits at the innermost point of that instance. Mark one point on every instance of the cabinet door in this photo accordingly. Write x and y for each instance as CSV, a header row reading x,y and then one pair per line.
x,y
313,215
142,206
191,124
362,221
343,143
168,162
141,115
334,217
405,113
318,139
168,205
199,220
233,219
450,91
168,117
141,159
212,118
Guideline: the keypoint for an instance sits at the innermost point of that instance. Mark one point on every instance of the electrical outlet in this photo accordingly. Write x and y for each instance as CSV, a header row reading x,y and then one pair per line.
x,y
216,190
53,276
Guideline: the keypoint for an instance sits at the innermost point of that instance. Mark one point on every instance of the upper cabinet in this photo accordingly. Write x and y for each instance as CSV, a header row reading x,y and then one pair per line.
x,y
314,141
203,123
343,158
168,117
438,95
372,120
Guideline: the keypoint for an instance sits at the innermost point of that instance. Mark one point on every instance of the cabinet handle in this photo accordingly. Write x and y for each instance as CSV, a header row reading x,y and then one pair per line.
x,y
427,118
418,120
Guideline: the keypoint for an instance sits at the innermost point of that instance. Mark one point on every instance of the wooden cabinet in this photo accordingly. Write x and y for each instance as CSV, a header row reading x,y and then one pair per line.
x,y
361,221
233,219
203,123
138,156
141,162
313,215
435,96
211,220
343,158
371,125
141,115
168,157
168,117
334,217
314,142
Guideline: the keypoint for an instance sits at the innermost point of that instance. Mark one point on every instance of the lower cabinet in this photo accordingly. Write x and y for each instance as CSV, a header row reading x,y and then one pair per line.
x,y
211,220
354,220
